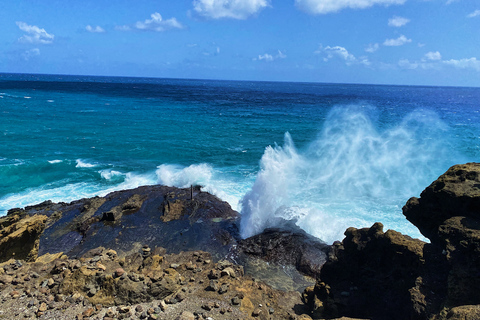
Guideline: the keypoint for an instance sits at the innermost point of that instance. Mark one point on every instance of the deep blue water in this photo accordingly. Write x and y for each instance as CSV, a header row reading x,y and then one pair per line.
x,y
328,155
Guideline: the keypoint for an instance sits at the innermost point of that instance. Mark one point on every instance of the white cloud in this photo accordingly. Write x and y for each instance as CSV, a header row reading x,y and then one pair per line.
x,y
30,54
96,29
471,63
372,47
400,41
406,64
329,6
474,14
398,21
34,34
342,53
266,57
156,23
269,58
235,9
433,55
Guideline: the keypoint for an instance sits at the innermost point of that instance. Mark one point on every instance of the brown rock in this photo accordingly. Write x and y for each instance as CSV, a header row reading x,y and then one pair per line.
x,y
87,313
186,315
21,237
119,272
43,307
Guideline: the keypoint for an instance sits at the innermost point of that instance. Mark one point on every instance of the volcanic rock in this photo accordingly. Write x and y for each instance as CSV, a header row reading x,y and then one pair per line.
x,y
387,275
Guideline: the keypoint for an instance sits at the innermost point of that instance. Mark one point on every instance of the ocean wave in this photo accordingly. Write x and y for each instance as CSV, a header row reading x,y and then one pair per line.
x,y
83,164
352,174
109,174
55,161
68,192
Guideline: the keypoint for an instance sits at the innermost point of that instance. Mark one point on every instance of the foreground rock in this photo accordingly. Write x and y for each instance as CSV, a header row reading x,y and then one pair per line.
x,y
143,284
387,275
131,224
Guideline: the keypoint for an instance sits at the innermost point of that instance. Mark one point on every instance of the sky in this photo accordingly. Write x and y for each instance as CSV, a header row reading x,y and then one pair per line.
x,y
404,42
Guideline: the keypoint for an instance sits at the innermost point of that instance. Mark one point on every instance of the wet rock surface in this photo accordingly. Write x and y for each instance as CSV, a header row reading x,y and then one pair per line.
x,y
288,246
387,275
140,252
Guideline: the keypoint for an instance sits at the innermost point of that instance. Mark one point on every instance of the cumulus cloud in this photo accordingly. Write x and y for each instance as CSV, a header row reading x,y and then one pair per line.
x,y
329,6
269,57
474,14
96,29
400,41
34,34
156,23
433,55
398,21
233,9
342,53
372,47
471,63
433,60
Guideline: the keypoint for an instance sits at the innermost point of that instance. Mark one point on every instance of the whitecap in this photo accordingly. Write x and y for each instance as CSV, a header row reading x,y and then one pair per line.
x,y
352,174
55,161
108,174
82,164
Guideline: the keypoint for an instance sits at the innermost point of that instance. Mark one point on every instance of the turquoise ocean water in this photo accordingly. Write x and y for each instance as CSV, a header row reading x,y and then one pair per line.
x,y
328,155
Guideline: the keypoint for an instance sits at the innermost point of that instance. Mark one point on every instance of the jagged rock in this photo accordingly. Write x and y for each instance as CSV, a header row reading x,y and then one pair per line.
x,y
374,274
20,236
391,276
455,193
288,246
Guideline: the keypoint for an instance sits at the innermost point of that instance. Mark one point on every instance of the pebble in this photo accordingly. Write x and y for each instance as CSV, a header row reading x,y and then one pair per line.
x,y
119,272
88,312
43,307
236,301
256,312
186,315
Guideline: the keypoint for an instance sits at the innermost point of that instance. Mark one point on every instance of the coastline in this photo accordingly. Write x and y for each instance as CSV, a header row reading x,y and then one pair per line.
x,y
56,256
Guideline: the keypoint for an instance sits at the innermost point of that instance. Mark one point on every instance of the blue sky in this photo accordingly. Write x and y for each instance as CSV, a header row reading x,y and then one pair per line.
x,y
413,42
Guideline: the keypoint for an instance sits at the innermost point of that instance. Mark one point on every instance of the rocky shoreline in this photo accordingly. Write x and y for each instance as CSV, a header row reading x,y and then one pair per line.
x,y
158,252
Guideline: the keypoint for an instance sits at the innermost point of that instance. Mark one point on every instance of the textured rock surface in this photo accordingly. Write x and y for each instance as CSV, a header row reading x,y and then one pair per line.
x,y
20,235
288,247
372,274
152,285
388,275
455,193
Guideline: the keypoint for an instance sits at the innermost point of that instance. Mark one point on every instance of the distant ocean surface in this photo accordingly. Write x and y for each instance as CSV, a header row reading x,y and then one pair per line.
x,y
329,156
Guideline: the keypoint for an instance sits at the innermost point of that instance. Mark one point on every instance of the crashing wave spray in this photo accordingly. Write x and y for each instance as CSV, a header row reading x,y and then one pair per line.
x,y
353,174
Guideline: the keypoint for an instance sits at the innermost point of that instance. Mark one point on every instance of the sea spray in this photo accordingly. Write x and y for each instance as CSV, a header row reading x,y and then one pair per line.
x,y
353,174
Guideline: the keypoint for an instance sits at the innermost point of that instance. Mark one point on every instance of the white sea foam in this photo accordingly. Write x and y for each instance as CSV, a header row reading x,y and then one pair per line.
x,y
83,164
55,161
73,191
352,175
108,174
212,180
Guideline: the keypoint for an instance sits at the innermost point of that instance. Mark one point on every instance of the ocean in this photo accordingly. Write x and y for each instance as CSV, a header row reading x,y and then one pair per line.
x,y
328,156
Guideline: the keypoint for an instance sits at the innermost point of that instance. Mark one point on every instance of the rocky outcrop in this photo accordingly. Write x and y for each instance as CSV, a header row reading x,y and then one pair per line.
x,y
176,219
456,193
290,246
448,212
20,235
387,275
179,219
372,274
